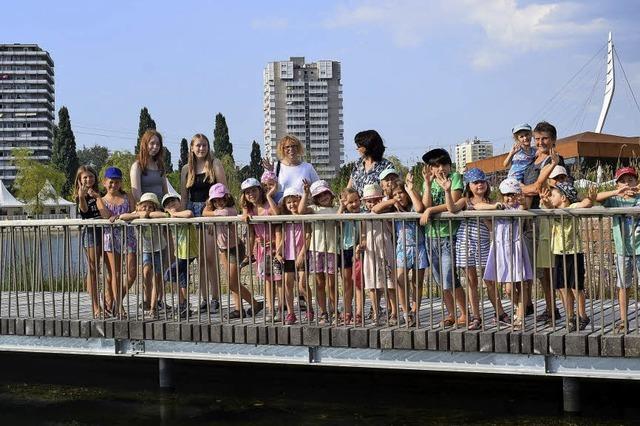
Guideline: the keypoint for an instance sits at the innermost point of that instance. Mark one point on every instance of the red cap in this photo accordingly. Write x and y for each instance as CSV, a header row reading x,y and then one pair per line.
x,y
625,171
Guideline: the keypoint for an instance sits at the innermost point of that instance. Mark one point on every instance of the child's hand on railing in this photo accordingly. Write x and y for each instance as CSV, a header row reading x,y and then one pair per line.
x,y
592,193
424,218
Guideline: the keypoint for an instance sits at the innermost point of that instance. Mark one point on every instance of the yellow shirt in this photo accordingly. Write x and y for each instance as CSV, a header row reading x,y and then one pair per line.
x,y
563,238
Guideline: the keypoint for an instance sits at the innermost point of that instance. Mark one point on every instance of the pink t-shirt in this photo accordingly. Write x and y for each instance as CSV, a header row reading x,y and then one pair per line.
x,y
225,234
293,240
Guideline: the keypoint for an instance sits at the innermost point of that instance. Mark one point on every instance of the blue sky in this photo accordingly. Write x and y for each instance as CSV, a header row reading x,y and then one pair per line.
x,y
423,73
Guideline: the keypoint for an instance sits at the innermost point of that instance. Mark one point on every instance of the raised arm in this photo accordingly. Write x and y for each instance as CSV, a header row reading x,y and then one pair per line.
x,y
427,201
415,198
514,149
273,206
303,208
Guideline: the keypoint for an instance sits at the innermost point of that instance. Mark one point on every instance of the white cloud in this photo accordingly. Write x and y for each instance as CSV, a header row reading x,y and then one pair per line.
x,y
269,23
506,29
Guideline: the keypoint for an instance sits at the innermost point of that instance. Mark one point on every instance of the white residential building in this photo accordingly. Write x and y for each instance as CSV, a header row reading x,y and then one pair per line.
x,y
26,104
472,150
305,100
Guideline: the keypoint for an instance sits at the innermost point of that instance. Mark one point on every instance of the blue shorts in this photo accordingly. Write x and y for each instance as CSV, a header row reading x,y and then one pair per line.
x,y
442,260
178,272
91,236
197,207
154,259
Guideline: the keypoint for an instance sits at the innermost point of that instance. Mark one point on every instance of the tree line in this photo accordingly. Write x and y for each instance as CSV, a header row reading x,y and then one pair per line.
x,y
66,158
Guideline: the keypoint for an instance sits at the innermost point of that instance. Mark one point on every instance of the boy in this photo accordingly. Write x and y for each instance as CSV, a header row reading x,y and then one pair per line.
x,y
566,245
440,234
389,178
626,235
186,250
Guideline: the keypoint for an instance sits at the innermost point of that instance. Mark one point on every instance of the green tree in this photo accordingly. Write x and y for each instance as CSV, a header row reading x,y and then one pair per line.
x,y
63,152
184,154
232,174
174,179
168,164
122,160
31,179
255,165
221,143
94,156
146,123
340,182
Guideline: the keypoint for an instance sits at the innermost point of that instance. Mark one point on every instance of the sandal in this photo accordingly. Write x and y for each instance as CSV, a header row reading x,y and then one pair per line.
x,y
504,319
393,320
475,324
621,327
447,322
357,321
517,323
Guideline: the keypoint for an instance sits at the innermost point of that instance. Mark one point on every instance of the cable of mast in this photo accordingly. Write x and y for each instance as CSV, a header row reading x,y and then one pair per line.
x,y
633,95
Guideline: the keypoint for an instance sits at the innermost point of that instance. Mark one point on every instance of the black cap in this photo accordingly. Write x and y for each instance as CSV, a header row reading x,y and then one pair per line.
x,y
435,153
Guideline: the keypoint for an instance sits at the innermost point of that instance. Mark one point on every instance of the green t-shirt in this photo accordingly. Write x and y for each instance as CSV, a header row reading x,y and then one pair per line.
x,y
441,228
626,226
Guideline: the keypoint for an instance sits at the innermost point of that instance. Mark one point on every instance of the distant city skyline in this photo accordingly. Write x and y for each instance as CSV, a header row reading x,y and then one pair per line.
x,y
423,74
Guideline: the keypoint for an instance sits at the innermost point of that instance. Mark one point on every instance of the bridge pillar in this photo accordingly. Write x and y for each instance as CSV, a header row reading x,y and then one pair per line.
x,y
571,394
165,374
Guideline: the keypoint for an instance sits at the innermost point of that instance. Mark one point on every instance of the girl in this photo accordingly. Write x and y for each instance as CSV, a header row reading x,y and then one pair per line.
x,y
153,244
350,203
200,173
231,251
269,182
90,206
376,244
261,235
521,154
473,241
508,260
411,250
147,172
322,256
117,202
292,252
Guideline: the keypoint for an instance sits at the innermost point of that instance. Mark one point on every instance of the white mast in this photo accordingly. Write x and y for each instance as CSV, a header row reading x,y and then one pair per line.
x,y
608,88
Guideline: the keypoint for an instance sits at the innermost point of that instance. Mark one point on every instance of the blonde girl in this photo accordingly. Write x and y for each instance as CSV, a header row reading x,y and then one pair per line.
x,y
196,178
90,206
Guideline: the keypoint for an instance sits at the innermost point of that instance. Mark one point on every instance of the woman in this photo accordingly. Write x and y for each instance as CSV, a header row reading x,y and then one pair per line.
x,y
291,169
200,173
371,163
147,172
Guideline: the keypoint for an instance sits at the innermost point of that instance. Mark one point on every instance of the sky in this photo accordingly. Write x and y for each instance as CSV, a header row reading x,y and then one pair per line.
x,y
424,74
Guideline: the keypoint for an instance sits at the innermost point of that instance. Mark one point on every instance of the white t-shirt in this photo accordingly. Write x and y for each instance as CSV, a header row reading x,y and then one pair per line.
x,y
291,176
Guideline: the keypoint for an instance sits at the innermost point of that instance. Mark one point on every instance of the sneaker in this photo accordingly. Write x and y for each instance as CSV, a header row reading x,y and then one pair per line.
x,y
259,307
183,310
310,316
215,306
583,323
572,325
290,319
504,319
302,304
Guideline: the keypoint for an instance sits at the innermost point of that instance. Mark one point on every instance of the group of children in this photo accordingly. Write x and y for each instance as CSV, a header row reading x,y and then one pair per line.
x,y
386,258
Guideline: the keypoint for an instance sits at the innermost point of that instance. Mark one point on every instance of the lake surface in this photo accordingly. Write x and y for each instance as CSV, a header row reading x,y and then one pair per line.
x,y
55,391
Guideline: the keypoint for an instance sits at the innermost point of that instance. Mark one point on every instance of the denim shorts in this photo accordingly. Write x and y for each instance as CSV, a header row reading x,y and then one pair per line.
x,y
154,259
442,260
91,236
178,272
197,207
625,270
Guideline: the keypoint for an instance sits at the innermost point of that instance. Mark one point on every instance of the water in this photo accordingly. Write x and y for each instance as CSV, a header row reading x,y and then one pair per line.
x,y
58,391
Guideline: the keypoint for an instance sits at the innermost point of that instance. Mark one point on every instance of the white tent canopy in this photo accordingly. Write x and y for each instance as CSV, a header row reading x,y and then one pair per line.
x,y
6,199
49,197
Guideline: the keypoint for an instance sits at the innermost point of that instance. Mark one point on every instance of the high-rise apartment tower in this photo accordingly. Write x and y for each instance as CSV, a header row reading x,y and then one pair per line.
x,y
305,100
26,104
472,150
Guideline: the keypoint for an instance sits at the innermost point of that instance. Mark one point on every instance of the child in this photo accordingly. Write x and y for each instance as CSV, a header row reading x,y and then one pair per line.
x,y
473,241
411,250
350,203
521,154
508,260
558,174
389,179
153,243
566,245
117,202
232,251
292,253
626,236
186,249
269,182
440,234
376,242
90,206
261,241
323,247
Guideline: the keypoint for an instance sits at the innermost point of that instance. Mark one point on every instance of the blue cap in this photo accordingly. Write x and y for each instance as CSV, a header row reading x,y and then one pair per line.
x,y
113,173
474,175
568,191
519,127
